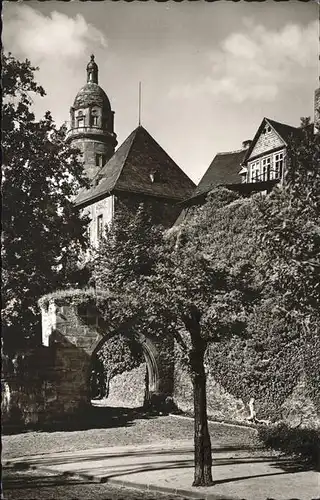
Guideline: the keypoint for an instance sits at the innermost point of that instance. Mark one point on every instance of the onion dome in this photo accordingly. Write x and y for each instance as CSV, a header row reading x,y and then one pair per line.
x,y
92,94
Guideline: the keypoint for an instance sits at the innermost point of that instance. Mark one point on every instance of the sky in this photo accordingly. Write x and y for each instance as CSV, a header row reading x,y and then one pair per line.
x,y
210,72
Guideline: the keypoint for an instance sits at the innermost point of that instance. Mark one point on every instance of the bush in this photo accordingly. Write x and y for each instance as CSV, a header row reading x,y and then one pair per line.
x,y
300,442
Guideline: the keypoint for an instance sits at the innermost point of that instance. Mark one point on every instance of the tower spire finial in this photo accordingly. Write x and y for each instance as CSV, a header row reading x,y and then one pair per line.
x,y
92,71
139,104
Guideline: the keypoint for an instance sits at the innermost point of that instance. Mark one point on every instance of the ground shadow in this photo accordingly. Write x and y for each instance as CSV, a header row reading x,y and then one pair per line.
x,y
11,480
92,417
18,477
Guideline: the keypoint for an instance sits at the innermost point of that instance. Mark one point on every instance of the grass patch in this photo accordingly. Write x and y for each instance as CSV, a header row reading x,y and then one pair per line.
x,y
302,443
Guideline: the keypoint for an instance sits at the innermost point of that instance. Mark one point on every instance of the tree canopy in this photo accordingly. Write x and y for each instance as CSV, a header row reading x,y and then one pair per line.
x,y
41,230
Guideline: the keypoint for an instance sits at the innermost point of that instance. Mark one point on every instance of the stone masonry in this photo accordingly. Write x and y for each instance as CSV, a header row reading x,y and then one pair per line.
x,y
74,338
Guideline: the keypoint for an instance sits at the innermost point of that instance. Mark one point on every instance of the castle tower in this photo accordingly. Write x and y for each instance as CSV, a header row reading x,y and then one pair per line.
x,y
92,123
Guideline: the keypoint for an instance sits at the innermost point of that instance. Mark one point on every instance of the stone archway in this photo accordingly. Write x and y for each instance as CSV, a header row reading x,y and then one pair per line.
x,y
75,337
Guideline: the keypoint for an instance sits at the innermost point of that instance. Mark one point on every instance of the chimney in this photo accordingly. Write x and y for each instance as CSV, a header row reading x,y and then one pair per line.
x,y
246,144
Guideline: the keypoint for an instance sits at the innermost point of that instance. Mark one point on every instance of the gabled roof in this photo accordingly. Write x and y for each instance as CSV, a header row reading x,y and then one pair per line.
x,y
130,170
284,131
224,169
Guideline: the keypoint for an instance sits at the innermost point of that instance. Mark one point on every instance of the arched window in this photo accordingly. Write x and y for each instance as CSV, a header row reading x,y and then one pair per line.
x,y
80,119
94,118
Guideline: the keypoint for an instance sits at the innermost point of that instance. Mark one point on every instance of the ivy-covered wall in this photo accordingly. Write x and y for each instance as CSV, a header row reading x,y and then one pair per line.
x,y
220,404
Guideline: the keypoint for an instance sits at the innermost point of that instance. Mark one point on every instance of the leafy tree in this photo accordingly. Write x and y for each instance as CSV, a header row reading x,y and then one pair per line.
x,y
173,283
206,298
124,258
41,230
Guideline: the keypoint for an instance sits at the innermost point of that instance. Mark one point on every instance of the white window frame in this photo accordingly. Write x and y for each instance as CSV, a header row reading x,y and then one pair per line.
x,y
266,167
254,171
278,165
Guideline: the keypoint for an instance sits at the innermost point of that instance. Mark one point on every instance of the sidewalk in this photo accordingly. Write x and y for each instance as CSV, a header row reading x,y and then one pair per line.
x,y
168,467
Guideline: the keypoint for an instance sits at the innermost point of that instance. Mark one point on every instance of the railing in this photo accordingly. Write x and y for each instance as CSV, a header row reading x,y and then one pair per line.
x,y
86,130
267,176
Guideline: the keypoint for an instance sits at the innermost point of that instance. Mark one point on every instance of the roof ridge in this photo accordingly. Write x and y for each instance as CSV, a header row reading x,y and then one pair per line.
x,y
122,171
133,135
98,174
165,152
280,123
231,152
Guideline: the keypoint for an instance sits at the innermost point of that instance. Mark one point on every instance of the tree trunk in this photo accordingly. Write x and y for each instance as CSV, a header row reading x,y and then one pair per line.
x,y
202,442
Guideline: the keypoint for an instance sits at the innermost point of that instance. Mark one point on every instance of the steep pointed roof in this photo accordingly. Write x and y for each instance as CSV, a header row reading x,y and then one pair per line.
x,y
139,165
284,131
223,170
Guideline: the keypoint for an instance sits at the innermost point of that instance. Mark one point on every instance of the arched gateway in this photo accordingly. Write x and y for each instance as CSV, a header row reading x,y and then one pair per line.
x,y
73,337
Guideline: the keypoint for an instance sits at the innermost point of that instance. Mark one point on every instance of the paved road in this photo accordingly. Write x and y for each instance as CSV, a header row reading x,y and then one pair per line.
x,y
39,485
168,467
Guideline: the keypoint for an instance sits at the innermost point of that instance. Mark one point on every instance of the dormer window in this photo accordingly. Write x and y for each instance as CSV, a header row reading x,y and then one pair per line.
x,y
155,176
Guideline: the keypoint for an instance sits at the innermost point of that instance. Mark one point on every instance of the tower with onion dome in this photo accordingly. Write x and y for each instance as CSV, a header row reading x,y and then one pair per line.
x,y
92,123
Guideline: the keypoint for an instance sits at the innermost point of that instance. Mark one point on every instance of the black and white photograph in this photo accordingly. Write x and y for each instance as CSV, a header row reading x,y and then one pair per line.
x,y
160,250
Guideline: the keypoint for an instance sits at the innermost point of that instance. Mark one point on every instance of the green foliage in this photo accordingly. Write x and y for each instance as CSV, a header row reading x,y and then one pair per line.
x,y
79,297
281,237
291,250
299,442
193,283
125,257
118,354
42,233
266,366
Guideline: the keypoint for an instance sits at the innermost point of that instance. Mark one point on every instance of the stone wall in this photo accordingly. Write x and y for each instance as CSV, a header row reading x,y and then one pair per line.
x,y
297,409
28,388
52,384
128,389
220,404
104,209
89,148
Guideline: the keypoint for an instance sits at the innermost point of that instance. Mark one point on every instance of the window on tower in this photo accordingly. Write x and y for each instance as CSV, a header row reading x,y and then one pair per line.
x,y
80,119
94,115
100,160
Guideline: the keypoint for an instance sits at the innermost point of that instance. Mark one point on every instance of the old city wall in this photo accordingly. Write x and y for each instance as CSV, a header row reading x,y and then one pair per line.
x,y
51,384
